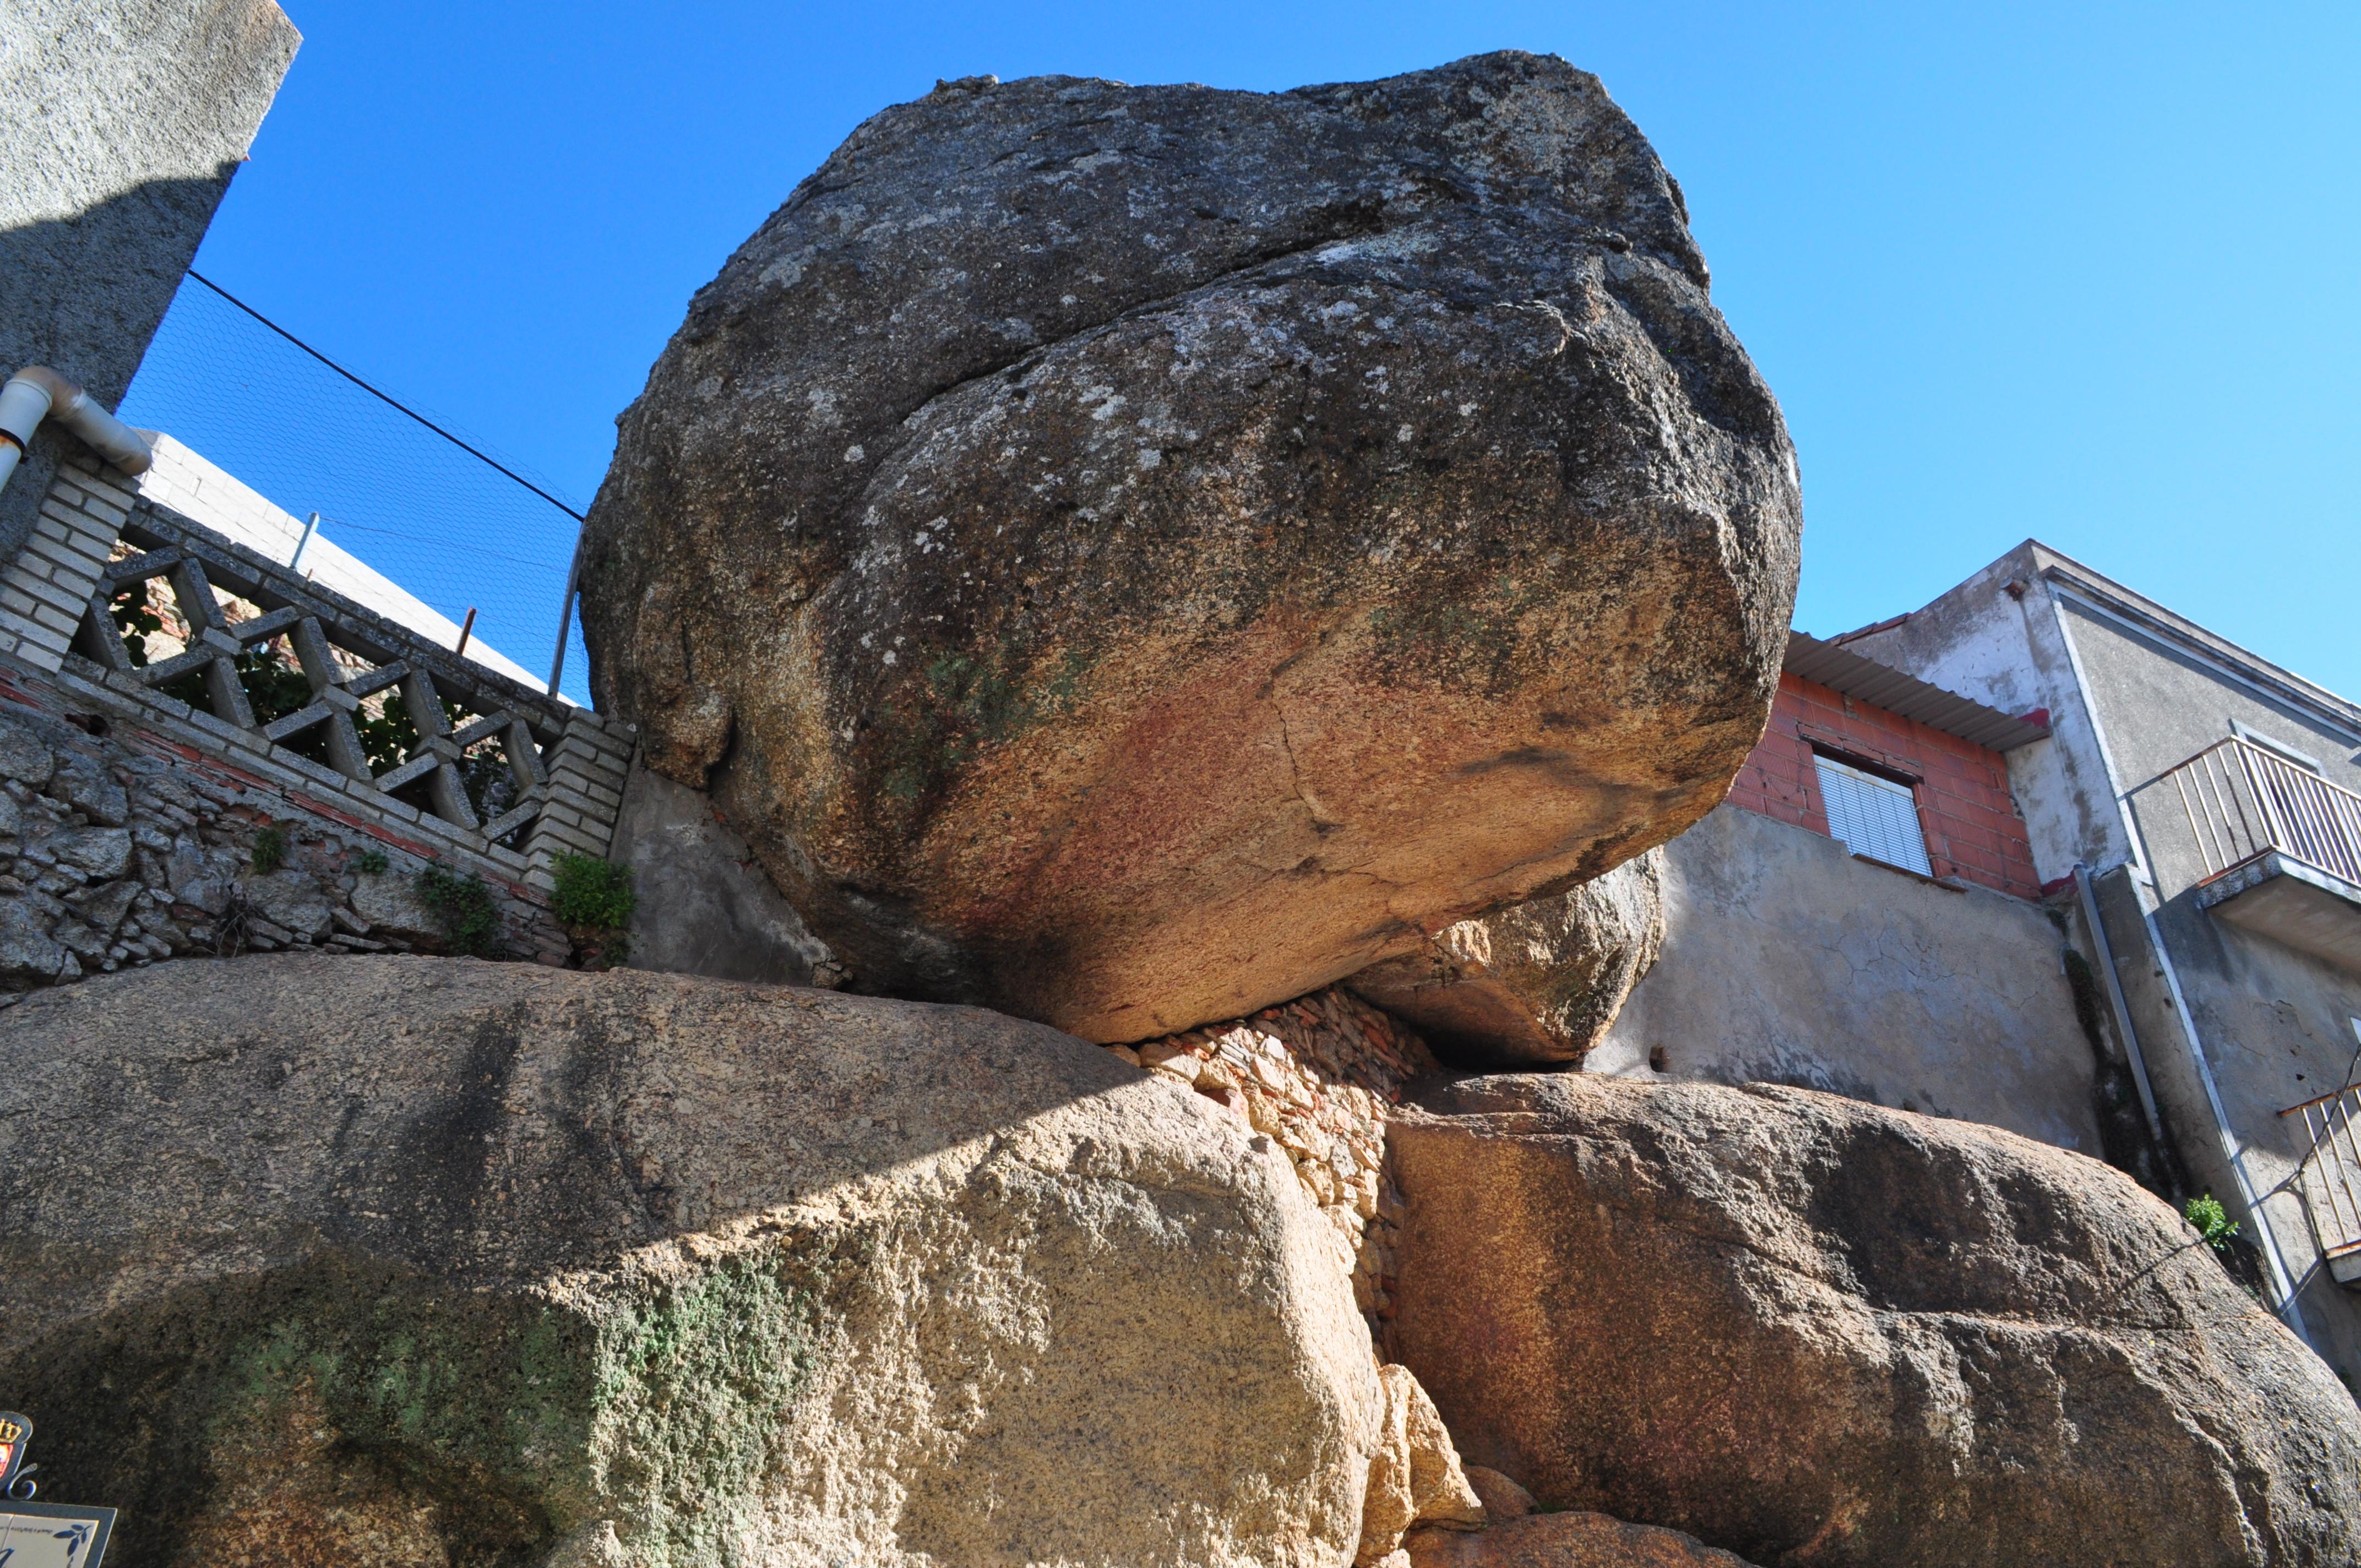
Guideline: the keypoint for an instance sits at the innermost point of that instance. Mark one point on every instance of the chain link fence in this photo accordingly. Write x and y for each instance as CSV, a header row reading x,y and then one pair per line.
x,y
464,528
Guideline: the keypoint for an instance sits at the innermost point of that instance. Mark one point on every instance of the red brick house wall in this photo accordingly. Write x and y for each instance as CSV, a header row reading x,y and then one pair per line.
x,y
1972,829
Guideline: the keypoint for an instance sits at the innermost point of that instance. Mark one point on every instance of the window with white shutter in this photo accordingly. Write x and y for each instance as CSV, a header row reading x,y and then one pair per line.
x,y
1872,816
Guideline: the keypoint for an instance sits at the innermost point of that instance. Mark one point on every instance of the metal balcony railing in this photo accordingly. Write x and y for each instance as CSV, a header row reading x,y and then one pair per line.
x,y
2331,1170
2244,802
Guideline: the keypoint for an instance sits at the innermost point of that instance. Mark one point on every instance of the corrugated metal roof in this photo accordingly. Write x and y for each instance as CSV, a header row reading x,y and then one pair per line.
x,y
1866,680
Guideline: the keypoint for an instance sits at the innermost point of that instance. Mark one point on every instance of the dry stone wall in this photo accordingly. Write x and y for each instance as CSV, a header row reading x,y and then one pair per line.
x,y
120,846
1318,1076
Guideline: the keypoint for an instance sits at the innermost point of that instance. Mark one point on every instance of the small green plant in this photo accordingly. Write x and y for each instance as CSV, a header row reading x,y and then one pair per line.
x,y
372,862
463,905
594,901
2212,1222
269,850
592,892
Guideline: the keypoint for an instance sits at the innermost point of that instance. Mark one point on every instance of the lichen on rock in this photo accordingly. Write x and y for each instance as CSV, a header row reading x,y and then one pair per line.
x,y
1129,556
423,1260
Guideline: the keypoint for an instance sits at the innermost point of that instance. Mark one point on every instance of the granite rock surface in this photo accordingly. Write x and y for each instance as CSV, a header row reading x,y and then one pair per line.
x,y
1564,1541
1130,556
1810,1331
1415,1478
1534,984
391,1260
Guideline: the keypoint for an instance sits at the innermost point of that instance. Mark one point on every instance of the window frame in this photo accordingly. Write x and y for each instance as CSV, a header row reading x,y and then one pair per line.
x,y
1886,772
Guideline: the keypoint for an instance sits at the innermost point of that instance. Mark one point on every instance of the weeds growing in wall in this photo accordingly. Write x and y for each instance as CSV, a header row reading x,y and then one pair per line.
x,y
462,904
594,901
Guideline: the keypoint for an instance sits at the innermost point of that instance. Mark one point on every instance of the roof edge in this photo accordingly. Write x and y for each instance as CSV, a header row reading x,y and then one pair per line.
x,y
1898,692
2060,567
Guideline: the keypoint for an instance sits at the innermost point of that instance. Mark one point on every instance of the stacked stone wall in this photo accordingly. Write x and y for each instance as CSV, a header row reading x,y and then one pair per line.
x,y
121,845
1318,1076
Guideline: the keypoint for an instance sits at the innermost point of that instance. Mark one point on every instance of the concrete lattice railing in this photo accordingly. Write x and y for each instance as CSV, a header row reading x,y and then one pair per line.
x,y
95,539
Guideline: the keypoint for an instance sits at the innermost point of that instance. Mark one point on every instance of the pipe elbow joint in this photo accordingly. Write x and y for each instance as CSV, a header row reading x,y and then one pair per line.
x,y
38,392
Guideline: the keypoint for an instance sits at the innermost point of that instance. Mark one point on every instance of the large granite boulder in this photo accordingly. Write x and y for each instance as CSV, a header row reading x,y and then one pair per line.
x,y
1810,1331
1133,555
1536,983
374,1261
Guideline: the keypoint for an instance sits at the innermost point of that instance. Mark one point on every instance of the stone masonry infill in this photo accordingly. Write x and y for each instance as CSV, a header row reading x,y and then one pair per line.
x,y
126,846
1318,1076
47,588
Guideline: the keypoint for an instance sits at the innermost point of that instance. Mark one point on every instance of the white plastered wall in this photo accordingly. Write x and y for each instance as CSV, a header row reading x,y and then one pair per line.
x,y
184,480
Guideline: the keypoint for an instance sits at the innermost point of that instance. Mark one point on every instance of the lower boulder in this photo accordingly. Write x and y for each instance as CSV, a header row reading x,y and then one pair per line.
x,y
401,1260
1534,984
1415,1476
1564,1541
1815,1331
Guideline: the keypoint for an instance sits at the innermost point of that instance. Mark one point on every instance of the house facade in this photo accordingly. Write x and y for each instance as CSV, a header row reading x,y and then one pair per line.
x,y
1863,915
2045,855
2211,801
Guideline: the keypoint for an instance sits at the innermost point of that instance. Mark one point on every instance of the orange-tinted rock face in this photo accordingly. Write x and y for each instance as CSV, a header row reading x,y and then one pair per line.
x,y
1131,556
1807,1330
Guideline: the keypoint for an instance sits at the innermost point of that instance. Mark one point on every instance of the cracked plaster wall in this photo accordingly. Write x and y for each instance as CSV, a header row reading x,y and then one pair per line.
x,y
1789,960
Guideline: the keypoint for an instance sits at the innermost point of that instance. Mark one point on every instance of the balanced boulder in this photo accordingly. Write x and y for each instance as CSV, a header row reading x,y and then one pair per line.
x,y
1133,555
1536,983
381,1261
1810,1331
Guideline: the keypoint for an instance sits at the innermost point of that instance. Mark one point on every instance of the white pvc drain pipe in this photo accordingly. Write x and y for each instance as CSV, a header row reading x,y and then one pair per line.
x,y
36,394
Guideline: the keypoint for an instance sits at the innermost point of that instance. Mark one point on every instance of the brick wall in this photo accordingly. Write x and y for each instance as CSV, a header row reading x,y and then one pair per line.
x,y
45,586
1972,829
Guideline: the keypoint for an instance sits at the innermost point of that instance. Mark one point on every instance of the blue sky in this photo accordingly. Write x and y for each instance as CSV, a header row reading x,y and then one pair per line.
x,y
2087,274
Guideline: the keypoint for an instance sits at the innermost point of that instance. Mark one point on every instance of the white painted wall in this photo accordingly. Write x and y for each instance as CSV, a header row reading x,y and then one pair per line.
x,y
201,491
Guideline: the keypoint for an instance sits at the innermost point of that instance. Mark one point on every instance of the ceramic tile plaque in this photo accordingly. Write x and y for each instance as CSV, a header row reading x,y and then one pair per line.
x,y
52,1535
